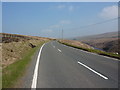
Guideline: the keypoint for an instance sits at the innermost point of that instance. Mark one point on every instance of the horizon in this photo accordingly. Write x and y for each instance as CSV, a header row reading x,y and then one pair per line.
x,y
47,19
64,38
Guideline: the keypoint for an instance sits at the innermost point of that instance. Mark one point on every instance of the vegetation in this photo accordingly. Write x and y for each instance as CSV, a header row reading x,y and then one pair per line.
x,y
0,78
108,42
14,71
93,50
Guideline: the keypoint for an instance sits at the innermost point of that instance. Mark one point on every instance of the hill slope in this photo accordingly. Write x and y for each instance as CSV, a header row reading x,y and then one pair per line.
x,y
13,46
107,41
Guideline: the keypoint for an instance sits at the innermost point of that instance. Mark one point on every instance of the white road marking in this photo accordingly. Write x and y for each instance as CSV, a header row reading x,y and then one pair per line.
x,y
54,46
95,54
59,50
34,81
93,70
100,55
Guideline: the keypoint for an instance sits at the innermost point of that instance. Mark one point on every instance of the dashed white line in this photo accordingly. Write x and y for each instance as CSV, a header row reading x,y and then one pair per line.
x,y
34,81
59,50
93,70
54,46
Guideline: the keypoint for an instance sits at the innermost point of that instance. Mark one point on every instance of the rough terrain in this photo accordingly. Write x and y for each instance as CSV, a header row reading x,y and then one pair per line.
x,y
13,47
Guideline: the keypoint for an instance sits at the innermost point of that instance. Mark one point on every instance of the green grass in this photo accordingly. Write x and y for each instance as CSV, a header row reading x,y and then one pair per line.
x,y
94,51
13,72
0,78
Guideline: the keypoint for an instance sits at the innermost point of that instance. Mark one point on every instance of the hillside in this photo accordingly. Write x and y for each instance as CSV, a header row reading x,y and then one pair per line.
x,y
106,41
13,47
76,43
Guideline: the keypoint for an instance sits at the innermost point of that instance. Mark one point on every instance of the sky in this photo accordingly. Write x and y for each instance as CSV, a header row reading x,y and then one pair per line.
x,y
47,19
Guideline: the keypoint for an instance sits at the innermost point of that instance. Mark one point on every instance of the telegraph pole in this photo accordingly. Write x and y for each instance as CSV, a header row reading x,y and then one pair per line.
x,y
62,33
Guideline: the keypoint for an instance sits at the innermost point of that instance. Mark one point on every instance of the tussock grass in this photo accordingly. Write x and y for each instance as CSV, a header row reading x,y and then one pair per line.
x,y
14,71
94,51
0,78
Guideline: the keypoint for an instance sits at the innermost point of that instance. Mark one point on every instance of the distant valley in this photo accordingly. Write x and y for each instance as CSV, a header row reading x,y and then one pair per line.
x,y
106,41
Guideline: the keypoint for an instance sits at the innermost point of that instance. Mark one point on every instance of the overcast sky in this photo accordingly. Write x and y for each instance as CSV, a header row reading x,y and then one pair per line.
x,y
47,19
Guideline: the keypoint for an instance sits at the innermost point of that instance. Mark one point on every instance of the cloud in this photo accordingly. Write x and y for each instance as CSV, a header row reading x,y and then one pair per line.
x,y
109,12
61,6
70,8
65,22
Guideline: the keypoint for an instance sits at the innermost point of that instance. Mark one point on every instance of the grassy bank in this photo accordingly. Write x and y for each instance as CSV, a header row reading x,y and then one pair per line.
x,y
14,71
94,51
0,78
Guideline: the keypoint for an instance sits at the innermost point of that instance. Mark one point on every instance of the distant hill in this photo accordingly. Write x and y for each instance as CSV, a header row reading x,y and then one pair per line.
x,y
98,36
106,41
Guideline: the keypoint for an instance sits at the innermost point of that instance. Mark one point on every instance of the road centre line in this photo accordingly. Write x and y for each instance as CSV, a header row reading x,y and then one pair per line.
x,y
54,46
34,81
93,70
59,50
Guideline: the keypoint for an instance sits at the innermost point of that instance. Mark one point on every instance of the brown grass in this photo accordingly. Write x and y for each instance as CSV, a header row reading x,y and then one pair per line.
x,y
76,43
12,50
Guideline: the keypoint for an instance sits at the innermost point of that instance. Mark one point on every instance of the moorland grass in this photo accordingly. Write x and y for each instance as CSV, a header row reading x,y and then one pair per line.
x,y
94,51
14,71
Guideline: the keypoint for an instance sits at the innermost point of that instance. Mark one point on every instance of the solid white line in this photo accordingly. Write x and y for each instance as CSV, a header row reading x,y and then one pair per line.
x,y
101,55
59,50
93,70
96,54
34,82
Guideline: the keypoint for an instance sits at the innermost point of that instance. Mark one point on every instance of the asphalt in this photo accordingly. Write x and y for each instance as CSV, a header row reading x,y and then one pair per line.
x,y
59,68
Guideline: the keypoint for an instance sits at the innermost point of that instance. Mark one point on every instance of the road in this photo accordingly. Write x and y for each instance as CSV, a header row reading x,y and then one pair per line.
x,y
61,66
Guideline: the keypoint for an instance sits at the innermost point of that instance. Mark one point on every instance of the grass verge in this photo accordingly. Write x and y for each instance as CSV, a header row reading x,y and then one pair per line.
x,y
0,78
94,51
14,71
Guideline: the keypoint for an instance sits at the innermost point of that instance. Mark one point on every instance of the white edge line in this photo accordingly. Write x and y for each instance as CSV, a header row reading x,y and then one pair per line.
x,y
34,82
59,50
95,54
93,70
101,55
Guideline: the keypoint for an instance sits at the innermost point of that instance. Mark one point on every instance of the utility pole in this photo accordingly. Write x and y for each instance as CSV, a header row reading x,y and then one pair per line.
x,y
62,33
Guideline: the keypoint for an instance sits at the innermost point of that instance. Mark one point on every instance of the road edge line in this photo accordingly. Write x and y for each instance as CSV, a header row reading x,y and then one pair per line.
x,y
34,80
115,59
